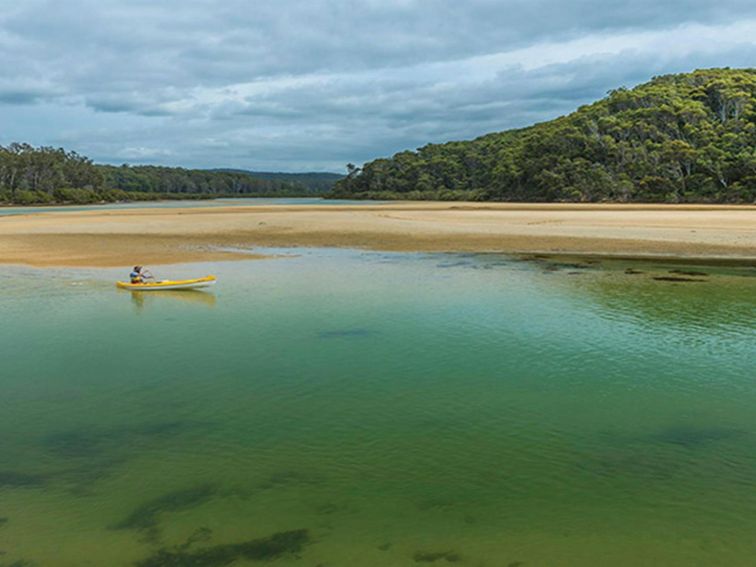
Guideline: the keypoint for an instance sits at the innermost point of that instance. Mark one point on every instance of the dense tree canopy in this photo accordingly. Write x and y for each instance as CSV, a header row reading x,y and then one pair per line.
x,y
176,180
308,182
30,175
678,138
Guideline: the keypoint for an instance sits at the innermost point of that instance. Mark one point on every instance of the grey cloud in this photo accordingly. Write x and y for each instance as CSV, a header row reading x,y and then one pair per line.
x,y
133,103
19,97
111,44
300,84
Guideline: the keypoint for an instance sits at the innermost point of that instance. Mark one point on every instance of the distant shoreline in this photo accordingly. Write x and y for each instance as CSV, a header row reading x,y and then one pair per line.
x,y
162,199
120,237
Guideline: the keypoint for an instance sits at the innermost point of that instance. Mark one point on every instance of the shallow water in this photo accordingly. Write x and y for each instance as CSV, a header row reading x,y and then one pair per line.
x,y
403,409
241,202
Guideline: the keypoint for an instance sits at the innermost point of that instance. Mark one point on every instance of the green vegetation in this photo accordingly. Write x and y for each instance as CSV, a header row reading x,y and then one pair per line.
x,y
46,175
308,182
678,138
212,183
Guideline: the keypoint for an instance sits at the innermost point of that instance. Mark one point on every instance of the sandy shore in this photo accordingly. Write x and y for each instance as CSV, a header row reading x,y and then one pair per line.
x,y
159,236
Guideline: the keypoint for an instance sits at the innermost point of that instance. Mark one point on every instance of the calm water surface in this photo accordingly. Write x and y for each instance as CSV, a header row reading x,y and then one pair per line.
x,y
242,202
344,408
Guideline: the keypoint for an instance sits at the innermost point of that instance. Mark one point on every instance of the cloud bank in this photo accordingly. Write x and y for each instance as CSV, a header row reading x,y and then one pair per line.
x,y
300,85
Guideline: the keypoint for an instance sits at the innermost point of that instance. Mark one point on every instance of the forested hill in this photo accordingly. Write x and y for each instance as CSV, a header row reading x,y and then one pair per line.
x,y
30,175
310,181
678,138
213,182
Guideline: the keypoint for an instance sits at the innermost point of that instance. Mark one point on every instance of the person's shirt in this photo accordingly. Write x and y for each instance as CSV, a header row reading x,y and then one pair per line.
x,y
136,277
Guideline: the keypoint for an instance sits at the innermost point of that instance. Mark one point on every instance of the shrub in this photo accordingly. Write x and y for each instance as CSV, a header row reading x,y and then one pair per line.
x,y
33,198
76,196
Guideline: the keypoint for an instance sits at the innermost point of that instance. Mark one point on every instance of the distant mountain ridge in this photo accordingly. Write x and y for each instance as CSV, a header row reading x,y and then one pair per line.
x,y
678,138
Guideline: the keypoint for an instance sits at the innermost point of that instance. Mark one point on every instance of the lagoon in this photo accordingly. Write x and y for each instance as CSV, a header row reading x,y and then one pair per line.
x,y
341,407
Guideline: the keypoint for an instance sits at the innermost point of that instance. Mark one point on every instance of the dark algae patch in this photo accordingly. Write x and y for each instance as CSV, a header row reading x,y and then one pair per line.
x,y
200,534
573,265
433,556
262,549
693,437
657,455
685,435
551,264
88,443
14,479
145,517
457,264
676,279
93,453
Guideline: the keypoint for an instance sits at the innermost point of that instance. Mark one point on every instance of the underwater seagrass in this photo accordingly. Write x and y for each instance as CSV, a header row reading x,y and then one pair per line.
x,y
262,549
145,517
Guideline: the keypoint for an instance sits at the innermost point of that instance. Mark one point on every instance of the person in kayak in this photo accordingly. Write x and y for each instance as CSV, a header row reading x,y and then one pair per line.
x,y
139,274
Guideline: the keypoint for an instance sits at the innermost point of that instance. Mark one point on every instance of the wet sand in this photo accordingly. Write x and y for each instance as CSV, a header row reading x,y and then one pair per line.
x,y
162,236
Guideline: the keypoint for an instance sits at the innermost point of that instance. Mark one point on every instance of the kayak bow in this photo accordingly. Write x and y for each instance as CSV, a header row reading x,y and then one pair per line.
x,y
168,284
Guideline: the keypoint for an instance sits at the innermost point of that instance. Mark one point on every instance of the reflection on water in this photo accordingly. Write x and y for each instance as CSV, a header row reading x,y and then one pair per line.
x,y
142,299
356,408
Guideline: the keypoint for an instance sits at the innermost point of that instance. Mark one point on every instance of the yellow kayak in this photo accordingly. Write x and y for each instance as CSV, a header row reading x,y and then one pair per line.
x,y
168,284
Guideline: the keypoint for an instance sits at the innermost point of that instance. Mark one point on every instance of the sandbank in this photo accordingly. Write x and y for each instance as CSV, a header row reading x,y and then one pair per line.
x,y
173,235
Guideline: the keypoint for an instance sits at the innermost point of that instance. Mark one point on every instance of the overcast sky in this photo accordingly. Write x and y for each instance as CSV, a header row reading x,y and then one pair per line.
x,y
299,85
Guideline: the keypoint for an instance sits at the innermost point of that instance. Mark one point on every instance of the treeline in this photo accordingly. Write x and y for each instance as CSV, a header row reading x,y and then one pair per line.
x,y
31,175
313,182
176,180
679,138
47,175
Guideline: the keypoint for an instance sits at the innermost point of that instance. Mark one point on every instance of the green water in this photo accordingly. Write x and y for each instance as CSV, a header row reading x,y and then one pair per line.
x,y
403,409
